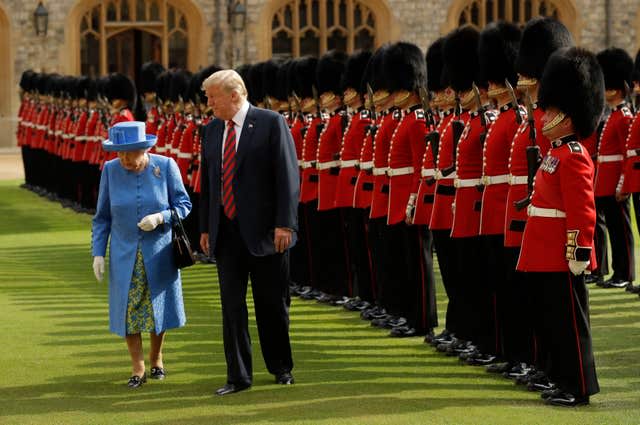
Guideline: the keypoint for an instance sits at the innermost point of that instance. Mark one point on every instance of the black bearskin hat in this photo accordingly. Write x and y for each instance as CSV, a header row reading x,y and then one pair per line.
x,y
405,67
435,65
196,94
26,80
148,74
119,86
540,38
354,70
460,53
258,92
635,75
329,72
374,72
497,51
163,83
243,70
270,77
304,76
617,67
283,84
573,82
179,85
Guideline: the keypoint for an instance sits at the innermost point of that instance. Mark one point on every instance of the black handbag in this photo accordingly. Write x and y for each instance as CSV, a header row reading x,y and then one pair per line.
x,y
182,252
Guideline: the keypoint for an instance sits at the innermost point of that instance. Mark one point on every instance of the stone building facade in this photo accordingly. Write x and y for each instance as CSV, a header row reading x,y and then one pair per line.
x,y
201,32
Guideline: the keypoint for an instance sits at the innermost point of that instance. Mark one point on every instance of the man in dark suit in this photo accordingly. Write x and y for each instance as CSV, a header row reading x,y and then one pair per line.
x,y
248,220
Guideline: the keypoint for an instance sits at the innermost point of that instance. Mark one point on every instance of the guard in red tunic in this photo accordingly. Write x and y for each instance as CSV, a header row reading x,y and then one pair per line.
x,y
617,67
498,49
412,246
355,219
165,111
148,74
557,246
540,38
121,94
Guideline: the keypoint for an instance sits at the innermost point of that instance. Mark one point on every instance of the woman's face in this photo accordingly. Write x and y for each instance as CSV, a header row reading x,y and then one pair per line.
x,y
132,160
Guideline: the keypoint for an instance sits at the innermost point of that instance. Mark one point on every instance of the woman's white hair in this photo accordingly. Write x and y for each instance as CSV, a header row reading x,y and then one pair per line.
x,y
228,79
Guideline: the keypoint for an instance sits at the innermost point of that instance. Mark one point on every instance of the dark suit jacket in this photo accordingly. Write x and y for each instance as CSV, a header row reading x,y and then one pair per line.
x,y
266,184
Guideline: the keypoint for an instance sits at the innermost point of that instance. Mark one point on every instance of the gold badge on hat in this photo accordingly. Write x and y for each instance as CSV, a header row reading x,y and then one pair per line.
x,y
156,171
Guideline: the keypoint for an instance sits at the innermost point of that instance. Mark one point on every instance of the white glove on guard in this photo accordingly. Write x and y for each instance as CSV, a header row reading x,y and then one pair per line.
x,y
578,267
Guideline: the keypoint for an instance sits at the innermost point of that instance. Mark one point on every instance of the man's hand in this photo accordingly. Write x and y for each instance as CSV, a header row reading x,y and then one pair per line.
x,y
621,196
204,243
98,267
151,221
282,239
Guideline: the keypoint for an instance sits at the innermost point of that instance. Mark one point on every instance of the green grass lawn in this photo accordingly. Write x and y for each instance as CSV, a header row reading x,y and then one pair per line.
x,y
60,364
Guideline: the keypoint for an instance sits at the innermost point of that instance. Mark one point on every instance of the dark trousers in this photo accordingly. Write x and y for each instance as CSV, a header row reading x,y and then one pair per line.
x,y
360,264
270,285
600,245
472,301
330,274
518,340
562,328
300,254
426,310
618,220
446,249
380,252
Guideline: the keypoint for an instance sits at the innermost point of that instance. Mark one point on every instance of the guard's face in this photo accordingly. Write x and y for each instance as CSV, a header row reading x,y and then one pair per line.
x,y
222,102
555,124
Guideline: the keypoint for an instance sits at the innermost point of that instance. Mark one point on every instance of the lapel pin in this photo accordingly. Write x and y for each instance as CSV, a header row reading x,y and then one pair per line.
x,y
156,171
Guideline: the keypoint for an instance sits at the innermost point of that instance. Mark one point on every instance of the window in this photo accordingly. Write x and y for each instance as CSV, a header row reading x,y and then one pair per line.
x,y
311,27
482,12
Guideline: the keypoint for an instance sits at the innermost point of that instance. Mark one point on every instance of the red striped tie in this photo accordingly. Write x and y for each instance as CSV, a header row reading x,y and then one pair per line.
x,y
228,169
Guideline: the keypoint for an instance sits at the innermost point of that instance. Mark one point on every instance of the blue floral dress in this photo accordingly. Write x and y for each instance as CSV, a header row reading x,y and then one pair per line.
x,y
139,308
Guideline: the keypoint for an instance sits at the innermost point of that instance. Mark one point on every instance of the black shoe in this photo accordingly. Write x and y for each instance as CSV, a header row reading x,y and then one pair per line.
x,y
230,389
482,360
594,278
615,283
520,369
634,289
540,382
445,337
157,373
369,312
136,381
565,399
550,393
403,331
339,301
285,378
499,367
429,337
524,380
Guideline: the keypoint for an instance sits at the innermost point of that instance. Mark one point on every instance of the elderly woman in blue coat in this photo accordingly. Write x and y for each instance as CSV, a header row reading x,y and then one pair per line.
x,y
138,190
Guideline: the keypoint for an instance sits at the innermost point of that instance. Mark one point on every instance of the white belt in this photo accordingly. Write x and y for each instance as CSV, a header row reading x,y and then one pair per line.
x,y
514,180
349,163
327,165
379,171
81,138
610,158
438,175
489,180
57,133
367,165
632,153
307,164
184,155
466,182
161,149
429,172
545,212
399,171
300,163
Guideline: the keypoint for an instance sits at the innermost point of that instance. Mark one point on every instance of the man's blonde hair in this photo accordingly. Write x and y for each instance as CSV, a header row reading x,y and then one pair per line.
x,y
228,79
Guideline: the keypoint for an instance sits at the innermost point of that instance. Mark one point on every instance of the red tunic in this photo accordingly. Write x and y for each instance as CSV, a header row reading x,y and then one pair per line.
x,y
161,137
427,187
564,182
381,144
466,210
611,150
186,149
152,120
309,185
176,135
406,153
364,183
442,214
327,162
80,134
496,166
631,168
349,154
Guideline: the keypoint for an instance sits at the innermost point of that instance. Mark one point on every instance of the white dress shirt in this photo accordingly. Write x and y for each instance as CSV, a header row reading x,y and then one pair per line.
x,y
238,122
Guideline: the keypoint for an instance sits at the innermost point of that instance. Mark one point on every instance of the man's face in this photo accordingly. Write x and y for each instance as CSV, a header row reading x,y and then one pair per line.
x,y
222,103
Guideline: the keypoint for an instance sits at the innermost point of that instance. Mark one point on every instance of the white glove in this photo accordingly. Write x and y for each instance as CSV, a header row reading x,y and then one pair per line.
x,y
151,221
98,267
578,267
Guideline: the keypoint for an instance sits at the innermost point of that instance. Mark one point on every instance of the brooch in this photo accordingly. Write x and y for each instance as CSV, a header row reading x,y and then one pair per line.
x,y
156,171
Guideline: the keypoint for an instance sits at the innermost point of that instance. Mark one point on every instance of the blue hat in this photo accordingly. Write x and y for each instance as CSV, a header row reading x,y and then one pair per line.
x,y
128,136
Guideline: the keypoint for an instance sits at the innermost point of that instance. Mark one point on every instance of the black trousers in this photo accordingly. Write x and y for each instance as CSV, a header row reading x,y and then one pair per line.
x,y
270,285
447,253
518,341
618,219
600,243
328,250
380,252
562,329
360,263
425,307
300,254
472,302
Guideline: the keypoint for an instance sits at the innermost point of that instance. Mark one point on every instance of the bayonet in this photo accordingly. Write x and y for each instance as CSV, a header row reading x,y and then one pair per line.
x,y
514,101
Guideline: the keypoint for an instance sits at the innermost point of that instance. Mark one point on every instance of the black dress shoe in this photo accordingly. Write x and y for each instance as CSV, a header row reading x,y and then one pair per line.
x,y
482,360
230,389
565,399
550,393
501,367
285,378
428,338
615,283
157,373
593,278
136,381
634,289
403,331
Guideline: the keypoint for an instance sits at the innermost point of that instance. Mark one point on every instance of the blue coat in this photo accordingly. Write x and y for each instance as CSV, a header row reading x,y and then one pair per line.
x,y
125,197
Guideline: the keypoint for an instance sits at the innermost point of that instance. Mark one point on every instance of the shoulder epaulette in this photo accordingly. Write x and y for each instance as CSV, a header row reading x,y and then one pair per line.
x,y
365,114
397,114
575,147
626,111
420,114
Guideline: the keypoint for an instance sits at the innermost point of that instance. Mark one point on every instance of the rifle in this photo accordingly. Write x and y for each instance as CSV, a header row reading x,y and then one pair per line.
x,y
514,101
481,111
432,137
373,128
457,127
628,99
533,156
316,99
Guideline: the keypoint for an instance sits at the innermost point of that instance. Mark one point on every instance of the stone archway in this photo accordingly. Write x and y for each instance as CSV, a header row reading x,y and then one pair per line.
x,y
8,90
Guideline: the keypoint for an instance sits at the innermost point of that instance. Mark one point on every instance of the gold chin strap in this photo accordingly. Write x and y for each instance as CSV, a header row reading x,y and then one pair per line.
x,y
401,97
524,82
496,92
466,100
554,122
380,96
350,96
307,105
